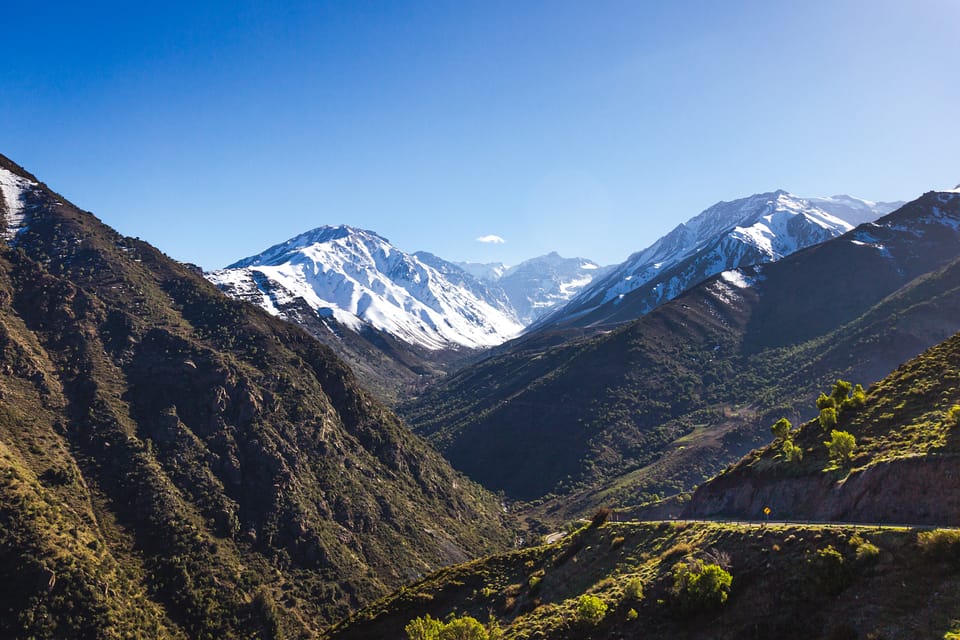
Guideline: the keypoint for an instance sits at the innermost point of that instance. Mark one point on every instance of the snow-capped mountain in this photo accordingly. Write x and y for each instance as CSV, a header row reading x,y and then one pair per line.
x,y
760,228
359,279
536,286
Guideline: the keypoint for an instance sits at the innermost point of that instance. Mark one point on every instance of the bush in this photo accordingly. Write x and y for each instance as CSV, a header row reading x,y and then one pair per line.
x,y
826,402
781,429
953,415
840,393
791,452
456,628
841,445
634,589
830,570
698,586
591,609
941,545
465,628
425,628
828,418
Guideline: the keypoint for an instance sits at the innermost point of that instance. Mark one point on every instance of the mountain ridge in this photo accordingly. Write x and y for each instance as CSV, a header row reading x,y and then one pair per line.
x,y
177,463
760,228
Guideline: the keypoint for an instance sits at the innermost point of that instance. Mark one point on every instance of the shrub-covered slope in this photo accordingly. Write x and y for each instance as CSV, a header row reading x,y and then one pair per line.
x,y
177,464
903,467
668,580
661,404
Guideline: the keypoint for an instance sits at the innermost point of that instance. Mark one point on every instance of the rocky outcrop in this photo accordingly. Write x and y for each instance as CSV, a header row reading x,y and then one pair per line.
x,y
913,490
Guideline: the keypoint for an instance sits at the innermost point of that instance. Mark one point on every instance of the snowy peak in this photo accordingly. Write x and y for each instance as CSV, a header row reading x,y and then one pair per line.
x,y
760,228
536,286
360,279
321,235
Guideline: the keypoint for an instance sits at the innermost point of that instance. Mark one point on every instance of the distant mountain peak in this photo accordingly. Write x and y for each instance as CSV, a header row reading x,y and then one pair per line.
x,y
357,277
763,227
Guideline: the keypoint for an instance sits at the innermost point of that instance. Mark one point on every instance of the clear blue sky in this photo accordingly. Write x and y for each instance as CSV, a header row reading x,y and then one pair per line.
x,y
590,128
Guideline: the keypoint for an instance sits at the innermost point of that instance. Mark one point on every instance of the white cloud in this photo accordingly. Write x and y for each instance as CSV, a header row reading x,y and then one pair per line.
x,y
491,239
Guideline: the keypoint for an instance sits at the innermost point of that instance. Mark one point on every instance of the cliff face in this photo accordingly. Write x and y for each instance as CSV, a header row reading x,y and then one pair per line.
x,y
917,490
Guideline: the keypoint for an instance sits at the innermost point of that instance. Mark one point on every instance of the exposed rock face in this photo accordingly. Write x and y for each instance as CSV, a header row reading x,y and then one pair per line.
x,y
915,490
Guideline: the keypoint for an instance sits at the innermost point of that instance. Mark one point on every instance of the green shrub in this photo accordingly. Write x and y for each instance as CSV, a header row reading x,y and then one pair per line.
x,y
632,614
953,415
455,628
840,393
634,589
828,418
826,402
840,446
591,609
781,429
941,545
425,628
698,586
830,570
464,628
791,452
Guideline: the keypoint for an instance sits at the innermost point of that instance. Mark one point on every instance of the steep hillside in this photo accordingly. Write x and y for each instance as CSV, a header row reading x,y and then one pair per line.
x,y
632,580
907,449
174,463
761,228
661,404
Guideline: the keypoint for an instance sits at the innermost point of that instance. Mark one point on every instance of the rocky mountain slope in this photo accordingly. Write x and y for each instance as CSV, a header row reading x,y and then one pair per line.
x,y
662,403
761,228
907,449
174,463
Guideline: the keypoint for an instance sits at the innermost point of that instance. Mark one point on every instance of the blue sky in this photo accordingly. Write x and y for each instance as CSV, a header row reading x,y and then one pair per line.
x,y
590,128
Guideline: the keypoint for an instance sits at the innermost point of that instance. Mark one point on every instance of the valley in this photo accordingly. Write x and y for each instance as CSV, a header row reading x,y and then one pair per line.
x,y
179,463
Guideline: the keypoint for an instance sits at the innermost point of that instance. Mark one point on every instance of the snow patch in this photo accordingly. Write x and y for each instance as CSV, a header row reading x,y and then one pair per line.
x,y
737,279
12,188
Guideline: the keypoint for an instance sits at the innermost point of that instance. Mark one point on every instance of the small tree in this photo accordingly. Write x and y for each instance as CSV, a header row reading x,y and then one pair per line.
x,y
857,399
841,445
828,418
825,401
463,628
425,628
840,393
634,589
781,429
791,452
700,586
591,609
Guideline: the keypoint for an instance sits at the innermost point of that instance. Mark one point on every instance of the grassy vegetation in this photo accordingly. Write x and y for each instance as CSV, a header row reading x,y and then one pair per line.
x,y
698,581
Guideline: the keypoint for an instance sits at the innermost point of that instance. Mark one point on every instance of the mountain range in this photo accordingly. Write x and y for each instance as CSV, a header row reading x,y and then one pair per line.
x,y
659,404
401,319
760,228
